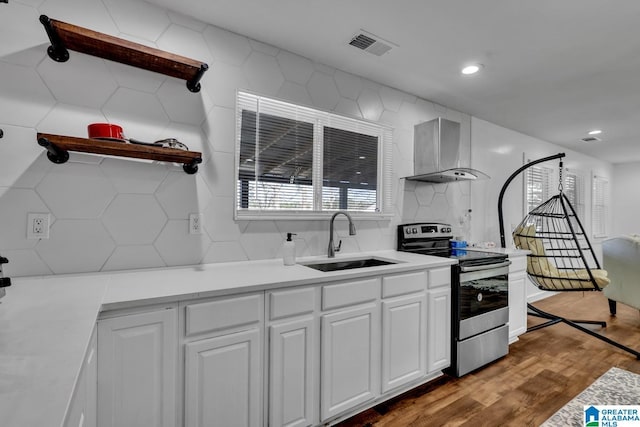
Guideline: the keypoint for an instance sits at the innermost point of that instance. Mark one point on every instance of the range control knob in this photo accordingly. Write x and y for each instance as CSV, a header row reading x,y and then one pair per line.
x,y
414,231
408,230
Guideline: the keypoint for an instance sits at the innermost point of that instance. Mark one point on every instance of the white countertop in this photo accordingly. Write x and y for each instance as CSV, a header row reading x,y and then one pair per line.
x,y
46,322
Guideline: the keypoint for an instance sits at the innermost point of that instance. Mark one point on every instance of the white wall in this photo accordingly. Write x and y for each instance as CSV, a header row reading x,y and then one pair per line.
x,y
115,213
625,199
500,152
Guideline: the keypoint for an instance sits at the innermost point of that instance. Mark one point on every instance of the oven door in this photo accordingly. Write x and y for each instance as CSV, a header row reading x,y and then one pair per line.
x,y
483,298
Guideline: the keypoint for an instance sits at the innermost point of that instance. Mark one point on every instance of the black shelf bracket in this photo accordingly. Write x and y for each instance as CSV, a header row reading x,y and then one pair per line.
x,y
57,51
191,168
54,153
193,85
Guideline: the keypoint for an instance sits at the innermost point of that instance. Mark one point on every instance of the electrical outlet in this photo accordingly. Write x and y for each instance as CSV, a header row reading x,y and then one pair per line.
x,y
38,225
195,223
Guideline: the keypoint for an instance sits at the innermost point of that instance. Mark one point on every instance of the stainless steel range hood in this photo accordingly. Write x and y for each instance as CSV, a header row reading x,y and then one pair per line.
x,y
437,153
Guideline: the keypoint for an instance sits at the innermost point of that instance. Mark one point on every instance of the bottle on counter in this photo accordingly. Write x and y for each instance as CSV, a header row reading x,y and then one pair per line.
x,y
289,250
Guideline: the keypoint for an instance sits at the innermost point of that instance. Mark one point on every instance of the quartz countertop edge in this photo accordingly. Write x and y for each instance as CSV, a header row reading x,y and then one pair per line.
x,y
46,322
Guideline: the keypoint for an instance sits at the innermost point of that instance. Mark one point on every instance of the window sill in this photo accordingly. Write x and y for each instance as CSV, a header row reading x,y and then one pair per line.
x,y
309,216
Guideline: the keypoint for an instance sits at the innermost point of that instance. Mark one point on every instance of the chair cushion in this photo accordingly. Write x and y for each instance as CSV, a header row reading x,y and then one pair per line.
x,y
554,279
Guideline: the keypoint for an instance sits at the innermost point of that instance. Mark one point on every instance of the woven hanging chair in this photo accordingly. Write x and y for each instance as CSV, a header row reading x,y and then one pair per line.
x,y
561,259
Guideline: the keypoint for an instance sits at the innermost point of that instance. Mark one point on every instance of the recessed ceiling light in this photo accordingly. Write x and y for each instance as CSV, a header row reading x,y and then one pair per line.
x,y
595,132
471,69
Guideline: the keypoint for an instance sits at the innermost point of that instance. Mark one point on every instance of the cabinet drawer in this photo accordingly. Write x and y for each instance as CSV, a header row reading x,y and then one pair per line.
x,y
350,293
439,277
220,314
291,302
402,284
518,264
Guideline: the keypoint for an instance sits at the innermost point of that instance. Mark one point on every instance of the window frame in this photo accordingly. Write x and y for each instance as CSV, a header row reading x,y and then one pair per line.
x,y
320,119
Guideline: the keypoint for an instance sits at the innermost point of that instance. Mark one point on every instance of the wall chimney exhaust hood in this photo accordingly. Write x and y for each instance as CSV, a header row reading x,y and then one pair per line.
x,y
437,150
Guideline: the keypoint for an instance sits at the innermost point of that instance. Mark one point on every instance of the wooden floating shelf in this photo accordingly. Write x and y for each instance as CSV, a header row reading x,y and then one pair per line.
x,y
58,148
65,36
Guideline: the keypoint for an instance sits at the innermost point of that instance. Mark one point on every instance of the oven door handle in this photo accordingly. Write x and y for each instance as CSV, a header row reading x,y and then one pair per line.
x,y
464,269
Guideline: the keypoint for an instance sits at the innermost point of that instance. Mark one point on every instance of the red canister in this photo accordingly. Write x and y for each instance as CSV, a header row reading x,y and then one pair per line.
x,y
105,131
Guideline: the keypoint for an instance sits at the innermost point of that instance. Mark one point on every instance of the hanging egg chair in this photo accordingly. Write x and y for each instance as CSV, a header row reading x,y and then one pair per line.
x,y
561,257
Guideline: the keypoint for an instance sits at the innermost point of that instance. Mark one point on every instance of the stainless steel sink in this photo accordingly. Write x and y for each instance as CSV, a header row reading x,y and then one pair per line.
x,y
348,264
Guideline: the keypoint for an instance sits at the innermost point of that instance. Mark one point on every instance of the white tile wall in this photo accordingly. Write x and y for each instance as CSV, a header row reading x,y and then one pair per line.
x,y
115,213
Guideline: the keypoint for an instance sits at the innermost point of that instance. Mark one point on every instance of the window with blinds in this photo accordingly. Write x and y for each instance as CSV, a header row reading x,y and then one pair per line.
x,y
538,186
574,190
297,160
600,206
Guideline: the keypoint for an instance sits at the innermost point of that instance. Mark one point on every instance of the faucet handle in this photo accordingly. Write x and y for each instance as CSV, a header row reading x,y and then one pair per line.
x,y
337,249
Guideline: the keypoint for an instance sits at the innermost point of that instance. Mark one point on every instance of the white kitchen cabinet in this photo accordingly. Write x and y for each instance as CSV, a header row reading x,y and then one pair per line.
x,y
404,329
439,319
82,408
517,297
223,362
350,363
137,369
223,381
439,327
293,357
404,340
296,357
291,373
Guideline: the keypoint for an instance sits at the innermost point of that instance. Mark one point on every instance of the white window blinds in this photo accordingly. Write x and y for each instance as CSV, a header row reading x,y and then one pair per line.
x,y
574,190
600,206
296,159
538,186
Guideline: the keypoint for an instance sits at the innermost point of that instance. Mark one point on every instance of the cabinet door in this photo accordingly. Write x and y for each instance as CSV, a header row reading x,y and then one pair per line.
x,y
439,326
223,385
291,373
404,340
137,370
350,364
517,305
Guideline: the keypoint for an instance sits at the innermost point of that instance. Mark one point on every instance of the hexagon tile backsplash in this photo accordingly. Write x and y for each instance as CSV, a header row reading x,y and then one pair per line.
x,y
113,213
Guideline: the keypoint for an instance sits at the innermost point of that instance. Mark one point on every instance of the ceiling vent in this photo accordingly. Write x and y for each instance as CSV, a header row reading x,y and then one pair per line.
x,y
371,43
590,139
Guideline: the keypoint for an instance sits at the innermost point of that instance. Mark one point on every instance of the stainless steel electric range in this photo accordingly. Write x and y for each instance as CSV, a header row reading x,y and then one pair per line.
x,y
479,295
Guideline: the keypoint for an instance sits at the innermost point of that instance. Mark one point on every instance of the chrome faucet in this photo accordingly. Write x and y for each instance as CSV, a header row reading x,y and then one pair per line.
x,y
352,232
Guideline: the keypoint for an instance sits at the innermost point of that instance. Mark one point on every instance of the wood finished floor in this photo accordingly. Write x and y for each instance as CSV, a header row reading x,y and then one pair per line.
x,y
542,372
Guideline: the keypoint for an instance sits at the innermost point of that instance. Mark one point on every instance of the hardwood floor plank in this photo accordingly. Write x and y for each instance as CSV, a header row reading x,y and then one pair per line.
x,y
543,371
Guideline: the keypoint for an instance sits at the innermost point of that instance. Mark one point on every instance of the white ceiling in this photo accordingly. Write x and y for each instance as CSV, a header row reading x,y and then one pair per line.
x,y
553,69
